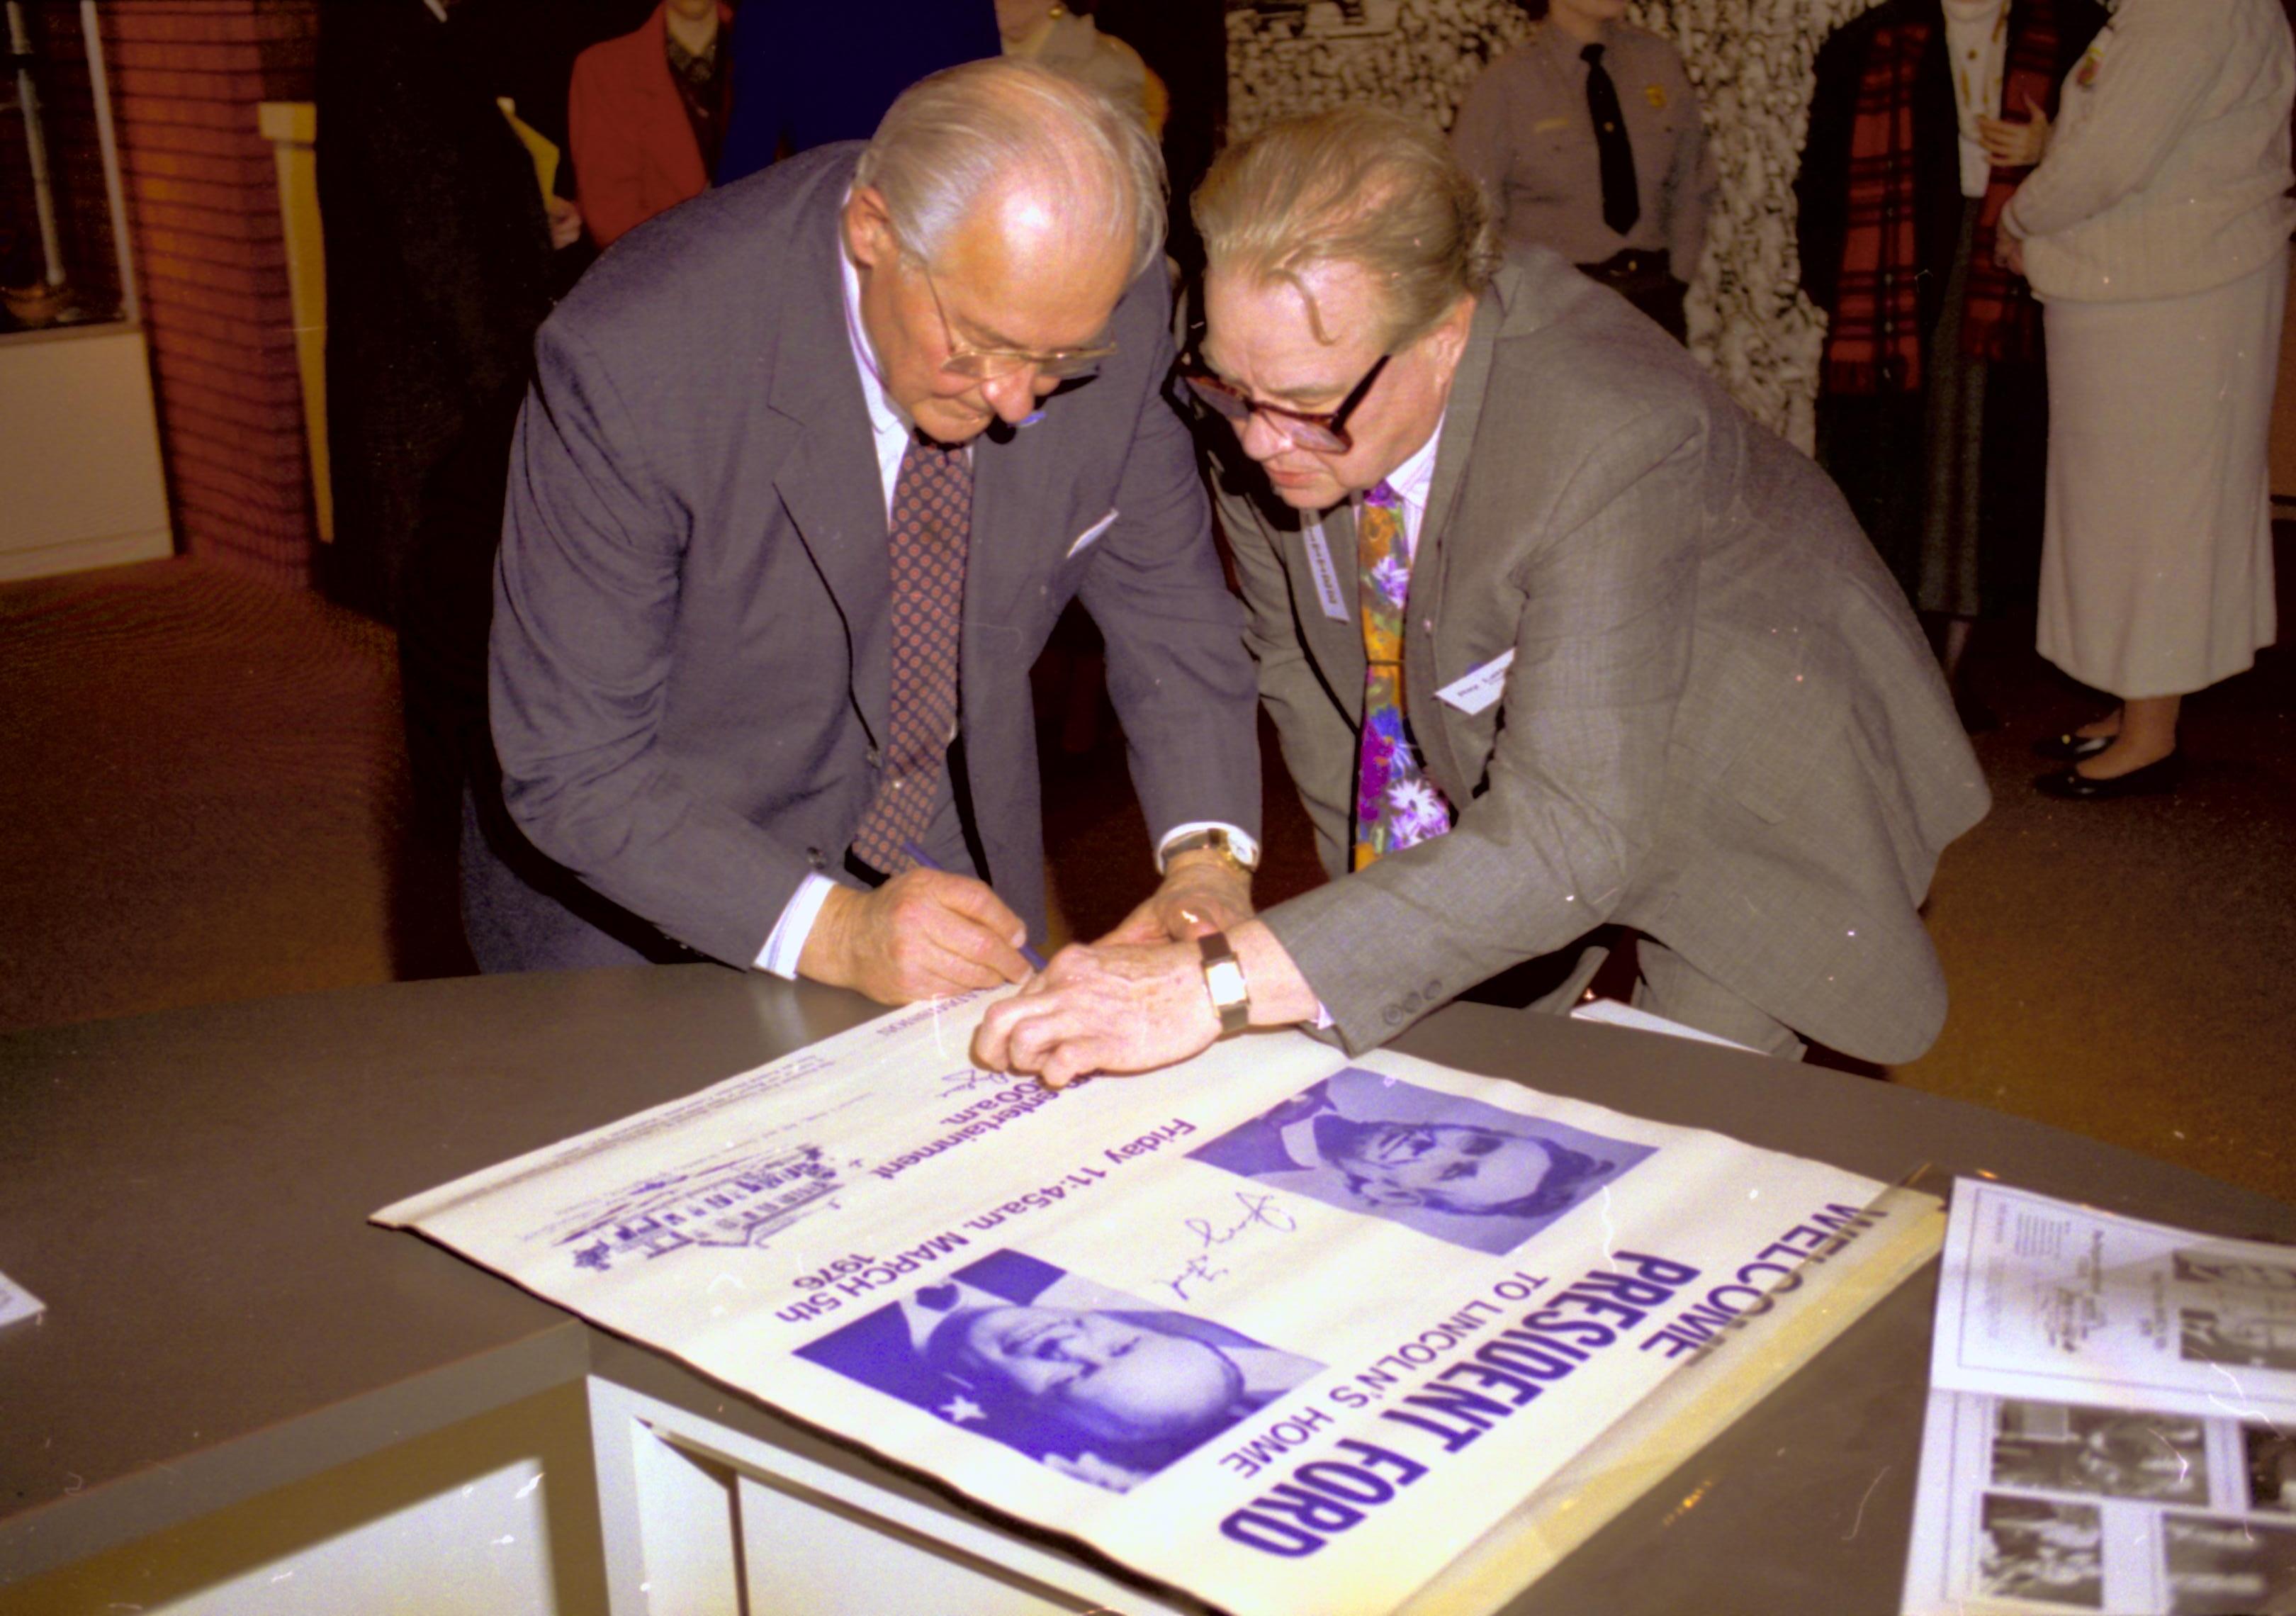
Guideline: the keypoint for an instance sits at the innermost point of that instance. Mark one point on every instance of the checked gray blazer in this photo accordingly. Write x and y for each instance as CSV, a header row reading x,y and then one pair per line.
x,y
1722,726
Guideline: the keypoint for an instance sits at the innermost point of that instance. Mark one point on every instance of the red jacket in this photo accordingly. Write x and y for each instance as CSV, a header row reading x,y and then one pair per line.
x,y
633,152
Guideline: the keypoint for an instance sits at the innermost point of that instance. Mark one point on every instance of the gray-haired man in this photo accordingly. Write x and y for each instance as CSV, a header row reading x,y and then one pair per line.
x,y
811,465
1553,635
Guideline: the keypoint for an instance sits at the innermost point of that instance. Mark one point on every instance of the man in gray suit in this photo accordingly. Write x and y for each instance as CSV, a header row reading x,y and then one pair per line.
x,y
811,465
1553,635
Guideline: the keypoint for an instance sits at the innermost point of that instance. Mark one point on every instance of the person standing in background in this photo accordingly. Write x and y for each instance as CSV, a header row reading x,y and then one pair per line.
x,y
1067,42
1587,139
439,269
806,72
1933,410
646,115
442,255
2155,230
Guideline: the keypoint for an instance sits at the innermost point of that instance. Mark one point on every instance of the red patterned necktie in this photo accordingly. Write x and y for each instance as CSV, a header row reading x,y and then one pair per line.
x,y
1397,806
931,528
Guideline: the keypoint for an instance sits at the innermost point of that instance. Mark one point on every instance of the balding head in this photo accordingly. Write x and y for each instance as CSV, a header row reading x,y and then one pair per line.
x,y
955,141
995,219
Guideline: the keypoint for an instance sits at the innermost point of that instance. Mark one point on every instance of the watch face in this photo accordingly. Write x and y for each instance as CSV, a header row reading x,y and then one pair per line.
x,y
1226,980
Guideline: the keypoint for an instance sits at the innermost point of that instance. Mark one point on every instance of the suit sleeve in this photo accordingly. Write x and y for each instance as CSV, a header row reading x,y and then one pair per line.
x,y
607,163
1318,739
1178,672
586,601
1480,138
1575,784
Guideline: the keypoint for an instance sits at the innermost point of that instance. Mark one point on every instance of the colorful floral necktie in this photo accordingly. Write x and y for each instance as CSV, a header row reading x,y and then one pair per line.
x,y
1396,805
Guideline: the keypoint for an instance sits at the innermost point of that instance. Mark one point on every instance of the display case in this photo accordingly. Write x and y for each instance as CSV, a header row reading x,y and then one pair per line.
x,y
79,452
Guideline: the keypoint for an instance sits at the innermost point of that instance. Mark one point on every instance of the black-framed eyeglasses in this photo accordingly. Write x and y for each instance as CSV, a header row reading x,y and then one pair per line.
x,y
1326,431
989,364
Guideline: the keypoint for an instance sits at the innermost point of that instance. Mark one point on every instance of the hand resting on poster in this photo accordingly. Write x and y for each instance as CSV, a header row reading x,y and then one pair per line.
x,y
1121,1008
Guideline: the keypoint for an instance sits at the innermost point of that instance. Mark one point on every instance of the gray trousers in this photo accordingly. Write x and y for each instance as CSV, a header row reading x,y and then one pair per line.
x,y
1670,985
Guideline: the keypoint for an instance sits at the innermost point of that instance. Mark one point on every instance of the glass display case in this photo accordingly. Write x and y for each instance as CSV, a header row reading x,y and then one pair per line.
x,y
79,450
60,226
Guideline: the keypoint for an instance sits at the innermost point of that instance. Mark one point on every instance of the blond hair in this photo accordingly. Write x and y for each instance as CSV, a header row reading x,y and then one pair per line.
x,y
1357,186
953,139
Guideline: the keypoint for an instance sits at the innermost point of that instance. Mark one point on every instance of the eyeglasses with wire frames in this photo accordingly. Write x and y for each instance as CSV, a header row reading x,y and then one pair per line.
x,y
990,364
1324,430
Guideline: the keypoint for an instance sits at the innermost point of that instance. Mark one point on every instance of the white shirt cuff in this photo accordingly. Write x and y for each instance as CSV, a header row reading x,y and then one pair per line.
x,y
1246,847
786,942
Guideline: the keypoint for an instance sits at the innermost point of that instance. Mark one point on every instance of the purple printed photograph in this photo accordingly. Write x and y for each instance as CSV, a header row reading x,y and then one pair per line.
x,y
1460,1170
1093,1383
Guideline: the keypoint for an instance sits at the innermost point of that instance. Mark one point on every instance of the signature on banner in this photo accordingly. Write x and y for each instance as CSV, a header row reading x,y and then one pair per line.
x,y
1261,1212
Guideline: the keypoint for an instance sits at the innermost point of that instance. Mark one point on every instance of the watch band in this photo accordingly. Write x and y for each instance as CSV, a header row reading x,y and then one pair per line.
x,y
1216,840
1230,995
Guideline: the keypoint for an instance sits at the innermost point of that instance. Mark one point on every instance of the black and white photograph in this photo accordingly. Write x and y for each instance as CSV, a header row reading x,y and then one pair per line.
x,y
1458,1169
2271,1455
2239,1338
2203,1267
2037,1550
2227,1567
2117,1453
1091,1382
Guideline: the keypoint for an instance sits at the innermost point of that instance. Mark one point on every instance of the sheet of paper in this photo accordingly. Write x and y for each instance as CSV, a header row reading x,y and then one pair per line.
x,y
2031,1507
16,1302
2041,1299
1282,1329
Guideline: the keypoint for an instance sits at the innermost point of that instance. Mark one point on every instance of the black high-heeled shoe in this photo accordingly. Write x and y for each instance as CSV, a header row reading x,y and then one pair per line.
x,y
2073,786
2070,746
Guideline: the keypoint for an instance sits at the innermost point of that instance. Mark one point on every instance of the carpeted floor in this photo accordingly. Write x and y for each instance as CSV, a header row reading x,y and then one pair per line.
x,y
203,797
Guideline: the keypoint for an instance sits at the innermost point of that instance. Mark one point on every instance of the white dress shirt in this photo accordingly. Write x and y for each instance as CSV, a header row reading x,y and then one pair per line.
x,y
891,430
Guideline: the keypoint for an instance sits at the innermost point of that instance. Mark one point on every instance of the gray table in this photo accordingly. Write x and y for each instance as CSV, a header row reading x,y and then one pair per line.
x,y
188,1194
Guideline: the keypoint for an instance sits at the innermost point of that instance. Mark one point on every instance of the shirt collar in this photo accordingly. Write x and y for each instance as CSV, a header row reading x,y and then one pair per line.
x,y
1567,46
885,414
1415,478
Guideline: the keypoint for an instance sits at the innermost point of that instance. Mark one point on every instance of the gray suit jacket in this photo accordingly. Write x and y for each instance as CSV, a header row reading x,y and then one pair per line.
x,y
1722,726
690,650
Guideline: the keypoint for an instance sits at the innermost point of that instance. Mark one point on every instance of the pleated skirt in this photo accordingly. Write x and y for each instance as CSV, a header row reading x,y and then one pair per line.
x,y
2156,551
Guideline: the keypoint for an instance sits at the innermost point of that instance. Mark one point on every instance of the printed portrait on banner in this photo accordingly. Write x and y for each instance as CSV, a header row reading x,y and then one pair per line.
x,y
1093,1383
1471,1174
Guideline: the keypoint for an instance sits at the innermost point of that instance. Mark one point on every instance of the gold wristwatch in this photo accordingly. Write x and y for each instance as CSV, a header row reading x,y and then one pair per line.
x,y
1216,840
1230,995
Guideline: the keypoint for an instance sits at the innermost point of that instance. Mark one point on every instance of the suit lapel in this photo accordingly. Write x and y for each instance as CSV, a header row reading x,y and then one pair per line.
x,y
1009,529
830,484
1335,643
1429,719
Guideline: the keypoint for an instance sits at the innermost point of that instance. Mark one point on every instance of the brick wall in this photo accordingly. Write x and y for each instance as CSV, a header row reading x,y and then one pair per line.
x,y
204,207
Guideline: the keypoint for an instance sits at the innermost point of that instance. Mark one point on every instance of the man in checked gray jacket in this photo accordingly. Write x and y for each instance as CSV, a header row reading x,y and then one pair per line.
x,y
1553,637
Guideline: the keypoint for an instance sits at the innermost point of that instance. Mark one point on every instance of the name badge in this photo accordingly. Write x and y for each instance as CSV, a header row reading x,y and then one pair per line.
x,y
1326,576
1471,694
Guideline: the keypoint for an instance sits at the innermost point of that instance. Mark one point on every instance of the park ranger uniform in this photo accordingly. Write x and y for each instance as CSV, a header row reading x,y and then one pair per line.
x,y
1528,134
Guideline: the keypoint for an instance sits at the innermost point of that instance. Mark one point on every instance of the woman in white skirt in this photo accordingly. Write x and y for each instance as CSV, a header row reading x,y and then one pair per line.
x,y
2155,231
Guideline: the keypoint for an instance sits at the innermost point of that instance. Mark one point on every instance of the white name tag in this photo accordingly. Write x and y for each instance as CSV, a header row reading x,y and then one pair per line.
x,y
1326,576
1478,689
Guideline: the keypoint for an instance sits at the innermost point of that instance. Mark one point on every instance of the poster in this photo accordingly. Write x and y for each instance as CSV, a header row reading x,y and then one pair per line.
x,y
1284,1330
2110,1420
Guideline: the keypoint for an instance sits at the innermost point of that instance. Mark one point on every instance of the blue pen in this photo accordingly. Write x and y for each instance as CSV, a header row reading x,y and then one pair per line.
x,y
925,861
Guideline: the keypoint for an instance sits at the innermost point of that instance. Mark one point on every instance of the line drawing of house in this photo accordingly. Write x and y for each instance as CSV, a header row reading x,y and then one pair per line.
x,y
743,1202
